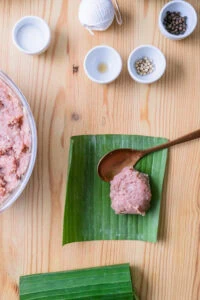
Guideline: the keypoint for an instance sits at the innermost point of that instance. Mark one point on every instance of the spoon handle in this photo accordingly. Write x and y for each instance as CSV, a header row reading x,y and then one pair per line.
x,y
186,138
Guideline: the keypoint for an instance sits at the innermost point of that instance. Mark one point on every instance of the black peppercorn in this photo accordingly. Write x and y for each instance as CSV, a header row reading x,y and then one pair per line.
x,y
174,23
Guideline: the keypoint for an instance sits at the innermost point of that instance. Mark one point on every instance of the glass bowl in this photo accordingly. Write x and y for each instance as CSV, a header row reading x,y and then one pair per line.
x,y
17,192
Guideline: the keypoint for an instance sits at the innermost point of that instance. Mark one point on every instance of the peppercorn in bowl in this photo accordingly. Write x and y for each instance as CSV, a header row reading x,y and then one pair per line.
x,y
18,142
177,20
146,64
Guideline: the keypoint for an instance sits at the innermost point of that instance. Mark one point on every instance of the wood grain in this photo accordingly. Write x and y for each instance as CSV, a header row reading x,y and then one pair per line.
x,y
66,104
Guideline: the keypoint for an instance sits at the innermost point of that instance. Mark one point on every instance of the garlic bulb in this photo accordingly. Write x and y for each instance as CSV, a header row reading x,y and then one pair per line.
x,y
96,14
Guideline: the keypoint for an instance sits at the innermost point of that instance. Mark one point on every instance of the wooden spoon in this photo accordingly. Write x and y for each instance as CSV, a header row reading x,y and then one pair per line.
x,y
113,162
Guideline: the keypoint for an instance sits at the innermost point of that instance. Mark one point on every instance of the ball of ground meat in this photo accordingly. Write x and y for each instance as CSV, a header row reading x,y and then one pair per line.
x,y
130,192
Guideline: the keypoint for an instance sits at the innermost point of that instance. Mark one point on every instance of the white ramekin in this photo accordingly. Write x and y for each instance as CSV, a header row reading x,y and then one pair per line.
x,y
29,29
157,57
103,55
186,10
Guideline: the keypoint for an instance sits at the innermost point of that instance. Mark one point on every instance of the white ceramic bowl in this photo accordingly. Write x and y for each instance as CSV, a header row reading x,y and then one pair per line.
x,y
186,10
158,60
17,192
31,35
104,56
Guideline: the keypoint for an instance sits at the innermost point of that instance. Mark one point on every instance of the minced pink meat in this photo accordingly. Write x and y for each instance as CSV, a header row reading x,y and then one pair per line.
x,y
15,141
130,192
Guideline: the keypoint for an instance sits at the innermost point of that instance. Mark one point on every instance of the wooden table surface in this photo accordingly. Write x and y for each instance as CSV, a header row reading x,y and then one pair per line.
x,y
66,104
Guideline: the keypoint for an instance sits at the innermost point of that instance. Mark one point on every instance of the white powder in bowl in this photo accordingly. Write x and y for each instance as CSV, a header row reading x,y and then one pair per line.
x,y
30,38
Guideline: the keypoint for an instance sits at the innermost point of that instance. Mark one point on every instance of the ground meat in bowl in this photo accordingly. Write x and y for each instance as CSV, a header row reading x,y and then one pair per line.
x,y
130,192
15,141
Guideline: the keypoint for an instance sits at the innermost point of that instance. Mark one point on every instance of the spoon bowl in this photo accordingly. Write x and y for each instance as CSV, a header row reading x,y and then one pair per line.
x,y
113,162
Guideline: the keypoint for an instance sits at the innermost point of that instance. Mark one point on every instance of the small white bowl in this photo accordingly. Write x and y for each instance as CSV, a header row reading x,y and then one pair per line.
x,y
186,10
103,64
31,35
158,60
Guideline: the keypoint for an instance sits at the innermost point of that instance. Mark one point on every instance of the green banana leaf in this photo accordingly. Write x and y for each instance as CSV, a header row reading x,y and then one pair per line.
x,y
109,282
88,214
